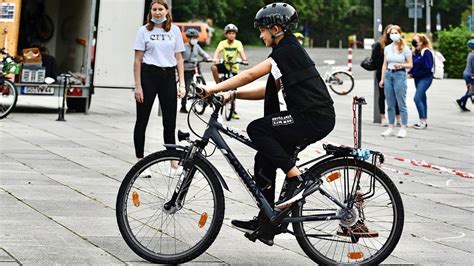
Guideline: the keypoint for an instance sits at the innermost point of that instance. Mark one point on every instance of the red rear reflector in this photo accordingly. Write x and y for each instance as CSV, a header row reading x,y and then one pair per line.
x,y
74,92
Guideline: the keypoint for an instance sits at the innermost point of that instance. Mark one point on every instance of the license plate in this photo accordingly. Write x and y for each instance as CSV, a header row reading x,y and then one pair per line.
x,y
41,89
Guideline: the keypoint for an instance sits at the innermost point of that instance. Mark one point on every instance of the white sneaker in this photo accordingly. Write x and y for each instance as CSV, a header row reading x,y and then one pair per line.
x,y
387,132
384,123
402,133
145,174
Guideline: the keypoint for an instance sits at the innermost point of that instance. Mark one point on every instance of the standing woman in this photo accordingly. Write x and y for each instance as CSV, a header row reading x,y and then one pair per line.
x,y
397,58
377,57
158,52
422,72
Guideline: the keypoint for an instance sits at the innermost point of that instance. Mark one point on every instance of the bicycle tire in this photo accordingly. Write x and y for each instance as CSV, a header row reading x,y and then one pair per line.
x,y
200,106
124,216
341,82
391,240
229,109
8,98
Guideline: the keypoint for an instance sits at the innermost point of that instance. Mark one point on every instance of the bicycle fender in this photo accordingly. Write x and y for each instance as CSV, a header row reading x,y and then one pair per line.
x,y
205,160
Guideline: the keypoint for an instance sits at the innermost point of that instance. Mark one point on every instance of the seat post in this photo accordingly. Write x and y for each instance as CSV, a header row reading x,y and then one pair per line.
x,y
359,101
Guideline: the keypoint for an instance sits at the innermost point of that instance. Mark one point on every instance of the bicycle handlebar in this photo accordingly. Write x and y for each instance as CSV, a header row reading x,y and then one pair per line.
x,y
199,61
216,100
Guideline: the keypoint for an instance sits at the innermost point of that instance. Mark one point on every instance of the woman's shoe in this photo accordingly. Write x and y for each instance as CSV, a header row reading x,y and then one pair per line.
x,y
387,132
402,133
420,126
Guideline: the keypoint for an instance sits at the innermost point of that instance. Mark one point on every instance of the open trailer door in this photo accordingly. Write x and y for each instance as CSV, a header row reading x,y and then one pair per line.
x,y
116,32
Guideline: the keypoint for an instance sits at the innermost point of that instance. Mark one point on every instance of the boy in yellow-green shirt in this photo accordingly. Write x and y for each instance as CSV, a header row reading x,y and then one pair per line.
x,y
230,48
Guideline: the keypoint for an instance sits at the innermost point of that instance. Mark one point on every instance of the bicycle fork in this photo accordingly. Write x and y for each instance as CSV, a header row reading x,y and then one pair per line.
x,y
184,181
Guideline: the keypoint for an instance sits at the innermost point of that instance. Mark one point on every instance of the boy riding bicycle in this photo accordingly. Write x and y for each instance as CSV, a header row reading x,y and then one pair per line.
x,y
191,53
309,118
230,48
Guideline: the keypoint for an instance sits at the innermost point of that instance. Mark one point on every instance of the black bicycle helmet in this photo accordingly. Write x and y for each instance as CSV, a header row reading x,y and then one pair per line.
x,y
192,33
231,27
281,14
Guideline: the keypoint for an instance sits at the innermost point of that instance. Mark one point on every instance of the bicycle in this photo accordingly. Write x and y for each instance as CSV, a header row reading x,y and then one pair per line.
x,y
8,92
197,80
229,107
339,80
175,215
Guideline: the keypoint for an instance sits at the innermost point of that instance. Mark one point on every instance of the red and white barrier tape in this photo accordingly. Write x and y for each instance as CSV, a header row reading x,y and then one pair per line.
x,y
421,163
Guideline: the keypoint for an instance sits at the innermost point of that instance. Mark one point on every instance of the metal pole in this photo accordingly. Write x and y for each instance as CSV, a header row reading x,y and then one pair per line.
x,y
416,17
377,32
428,18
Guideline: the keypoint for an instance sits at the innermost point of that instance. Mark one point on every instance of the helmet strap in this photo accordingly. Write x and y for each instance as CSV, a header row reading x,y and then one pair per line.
x,y
275,35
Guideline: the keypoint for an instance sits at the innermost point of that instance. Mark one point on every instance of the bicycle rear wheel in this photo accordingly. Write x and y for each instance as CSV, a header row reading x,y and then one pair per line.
x,y
169,235
341,82
346,241
8,98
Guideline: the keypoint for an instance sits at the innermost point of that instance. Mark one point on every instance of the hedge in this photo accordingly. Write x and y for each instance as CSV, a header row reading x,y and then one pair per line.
x,y
452,44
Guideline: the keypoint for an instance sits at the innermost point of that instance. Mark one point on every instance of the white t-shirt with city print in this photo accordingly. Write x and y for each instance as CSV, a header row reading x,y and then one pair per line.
x,y
159,46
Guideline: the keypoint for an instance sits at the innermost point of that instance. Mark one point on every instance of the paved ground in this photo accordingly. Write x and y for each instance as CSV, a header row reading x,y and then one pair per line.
x,y
59,180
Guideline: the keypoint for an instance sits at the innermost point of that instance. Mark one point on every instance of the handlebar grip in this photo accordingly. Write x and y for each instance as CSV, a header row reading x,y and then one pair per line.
x,y
199,90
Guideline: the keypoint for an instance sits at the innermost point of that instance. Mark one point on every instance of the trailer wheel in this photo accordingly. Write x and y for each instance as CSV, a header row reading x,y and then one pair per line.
x,y
78,104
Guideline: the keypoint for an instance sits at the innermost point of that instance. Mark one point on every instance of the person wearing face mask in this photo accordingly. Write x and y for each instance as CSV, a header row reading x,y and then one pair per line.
x,y
310,114
377,57
158,53
397,58
191,57
422,72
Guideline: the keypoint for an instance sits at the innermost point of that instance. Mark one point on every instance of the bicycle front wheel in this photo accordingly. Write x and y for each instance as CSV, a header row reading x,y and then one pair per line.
x,y
200,105
341,82
229,109
8,98
372,230
169,235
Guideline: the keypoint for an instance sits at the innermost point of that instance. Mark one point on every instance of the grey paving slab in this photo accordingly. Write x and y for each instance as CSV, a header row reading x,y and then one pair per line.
x,y
59,182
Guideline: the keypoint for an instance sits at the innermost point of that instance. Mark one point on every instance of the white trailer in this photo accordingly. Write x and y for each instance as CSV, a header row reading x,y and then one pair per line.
x,y
108,28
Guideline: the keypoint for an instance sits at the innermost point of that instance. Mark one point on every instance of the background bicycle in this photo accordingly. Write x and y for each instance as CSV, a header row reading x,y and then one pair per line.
x,y
338,79
175,215
198,80
229,108
8,92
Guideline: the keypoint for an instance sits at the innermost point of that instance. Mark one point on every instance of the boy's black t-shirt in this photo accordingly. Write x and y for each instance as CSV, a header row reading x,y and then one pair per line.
x,y
303,88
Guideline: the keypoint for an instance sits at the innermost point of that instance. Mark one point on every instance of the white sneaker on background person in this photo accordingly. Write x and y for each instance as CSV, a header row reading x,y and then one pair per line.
x,y
420,125
402,133
387,132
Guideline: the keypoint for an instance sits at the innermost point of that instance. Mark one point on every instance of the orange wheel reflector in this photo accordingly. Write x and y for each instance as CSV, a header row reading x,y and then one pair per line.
x,y
333,176
136,199
355,255
202,220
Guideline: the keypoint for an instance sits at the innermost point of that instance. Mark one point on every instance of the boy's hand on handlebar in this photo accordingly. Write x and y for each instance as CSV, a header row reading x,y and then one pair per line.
x,y
226,96
245,62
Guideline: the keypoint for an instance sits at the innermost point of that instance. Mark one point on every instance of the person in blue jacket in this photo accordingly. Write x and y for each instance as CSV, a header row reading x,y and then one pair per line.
x,y
422,72
468,75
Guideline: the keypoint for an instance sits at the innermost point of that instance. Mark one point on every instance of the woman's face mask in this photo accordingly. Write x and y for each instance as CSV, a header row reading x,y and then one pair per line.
x,y
395,36
193,41
156,21
414,43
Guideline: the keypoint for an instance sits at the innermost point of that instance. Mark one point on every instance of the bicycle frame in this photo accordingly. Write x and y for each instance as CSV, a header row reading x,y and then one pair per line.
x,y
213,133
